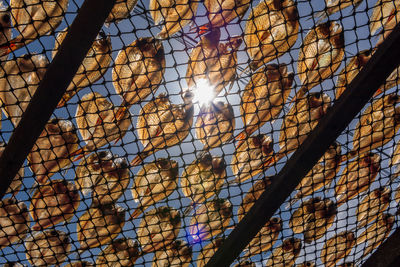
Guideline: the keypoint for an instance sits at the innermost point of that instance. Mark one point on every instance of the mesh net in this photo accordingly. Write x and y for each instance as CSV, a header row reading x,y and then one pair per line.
x,y
166,137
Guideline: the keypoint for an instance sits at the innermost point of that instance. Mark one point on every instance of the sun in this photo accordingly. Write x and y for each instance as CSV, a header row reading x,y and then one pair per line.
x,y
204,92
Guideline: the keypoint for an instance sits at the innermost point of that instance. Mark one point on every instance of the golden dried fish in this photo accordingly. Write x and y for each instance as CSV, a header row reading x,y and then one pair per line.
x,y
16,183
383,14
271,30
245,264
94,107
265,238
390,24
93,66
121,10
313,218
372,130
320,56
334,6
376,233
351,70
5,30
357,177
285,254
251,197
321,175
53,203
203,178
172,15
158,228
33,19
251,157
264,97
53,149
80,264
395,161
13,264
222,12
210,219
337,248
19,81
100,225
213,63
162,124
372,205
120,253
208,251
215,124
13,222
306,264
179,253
46,248
138,72
106,175
154,182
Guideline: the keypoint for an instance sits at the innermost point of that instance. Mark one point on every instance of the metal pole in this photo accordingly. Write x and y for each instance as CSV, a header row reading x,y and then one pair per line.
x,y
60,72
359,91
387,254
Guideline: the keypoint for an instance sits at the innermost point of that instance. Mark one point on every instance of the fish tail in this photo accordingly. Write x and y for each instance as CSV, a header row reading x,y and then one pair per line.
x,y
321,15
303,90
139,158
136,213
120,113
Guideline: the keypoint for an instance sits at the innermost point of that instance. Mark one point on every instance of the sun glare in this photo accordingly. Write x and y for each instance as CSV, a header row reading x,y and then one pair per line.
x,y
203,92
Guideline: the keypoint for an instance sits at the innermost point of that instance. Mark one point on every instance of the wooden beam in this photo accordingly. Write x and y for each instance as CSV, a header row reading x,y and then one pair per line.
x,y
79,39
361,89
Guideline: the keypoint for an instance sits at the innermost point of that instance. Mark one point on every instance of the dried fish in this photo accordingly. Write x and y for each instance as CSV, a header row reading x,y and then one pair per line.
x,y
13,222
120,253
121,10
154,182
100,225
106,175
53,203
16,183
372,205
46,248
285,254
337,248
271,30
158,228
334,6
5,31
383,14
208,251
80,264
179,253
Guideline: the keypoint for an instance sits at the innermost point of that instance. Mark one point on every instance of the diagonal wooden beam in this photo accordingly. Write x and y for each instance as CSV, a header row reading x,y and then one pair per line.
x,y
79,39
359,91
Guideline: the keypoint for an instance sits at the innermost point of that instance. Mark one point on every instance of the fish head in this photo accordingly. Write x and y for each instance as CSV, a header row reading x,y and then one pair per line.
x,y
187,97
205,160
349,236
234,42
102,43
319,102
371,160
218,165
224,207
5,24
167,164
275,224
386,220
364,56
336,34
292,245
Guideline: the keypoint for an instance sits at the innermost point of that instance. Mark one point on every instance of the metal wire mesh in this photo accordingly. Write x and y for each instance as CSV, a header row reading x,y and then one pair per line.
x,y
178,134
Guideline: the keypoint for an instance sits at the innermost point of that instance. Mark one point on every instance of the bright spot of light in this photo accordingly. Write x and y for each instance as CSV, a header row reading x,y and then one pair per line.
x,y
204,92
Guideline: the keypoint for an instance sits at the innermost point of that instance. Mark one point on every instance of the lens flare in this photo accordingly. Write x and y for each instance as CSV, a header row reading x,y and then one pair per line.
x,y
204,92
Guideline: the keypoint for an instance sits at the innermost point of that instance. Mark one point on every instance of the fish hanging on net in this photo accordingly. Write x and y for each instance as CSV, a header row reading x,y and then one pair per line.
x,y
208,251
5,31
271,30
385,13
14,223
16,183
203,179
251,157
99,225
320,55
377,126
158,228
252,196
153,183
162,124
373,205
265,238
286,254
53,203
337,247
321,175
221,12
215,124
334,6
246,263
210,219
313,218
104,174
138,72
80,264
172,15
395,162
306,264
50,247
264,97
301,119
92,108
213,63
120,11
92,68
121,252
376,233
53,149
357,177
14,264
178,253
33,19
19,79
